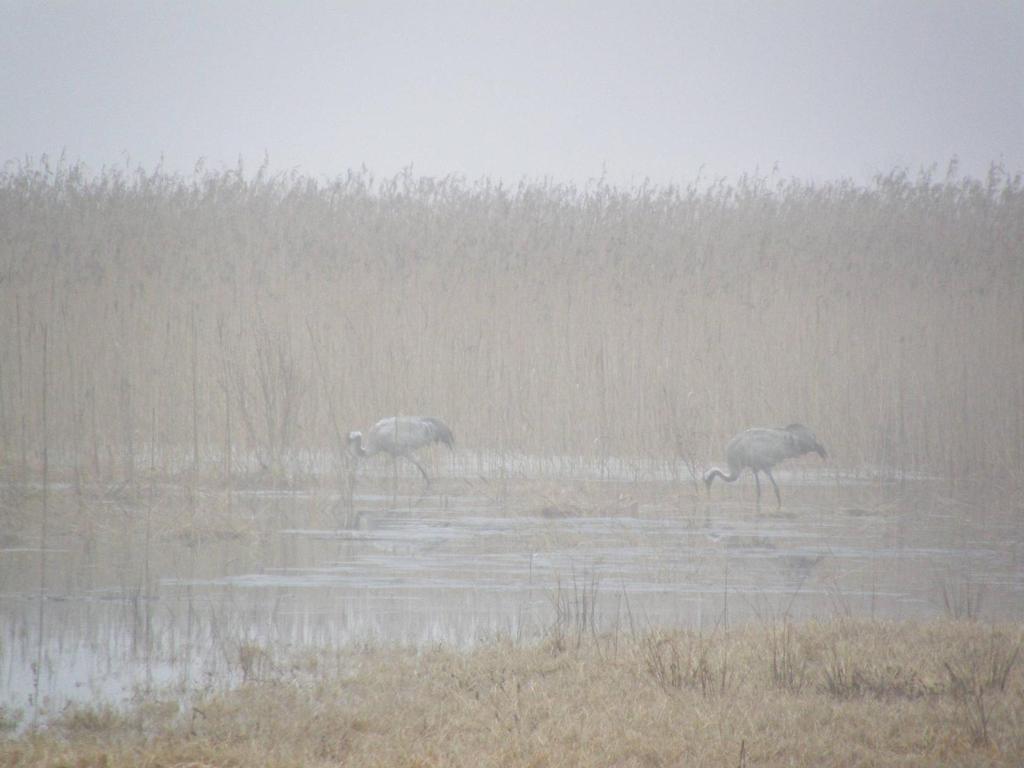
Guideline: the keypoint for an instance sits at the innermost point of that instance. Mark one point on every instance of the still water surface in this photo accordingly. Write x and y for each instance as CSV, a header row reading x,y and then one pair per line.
x,y
160,590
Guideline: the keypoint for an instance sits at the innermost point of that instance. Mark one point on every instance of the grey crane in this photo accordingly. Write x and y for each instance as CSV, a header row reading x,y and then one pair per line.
x,y
762,448
401,436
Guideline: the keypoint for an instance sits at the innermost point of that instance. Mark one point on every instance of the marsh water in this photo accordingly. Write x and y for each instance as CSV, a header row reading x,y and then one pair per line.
x,y
163,588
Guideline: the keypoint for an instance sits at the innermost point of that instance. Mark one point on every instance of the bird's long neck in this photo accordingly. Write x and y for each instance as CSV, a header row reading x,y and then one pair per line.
x,y
357,445
714,472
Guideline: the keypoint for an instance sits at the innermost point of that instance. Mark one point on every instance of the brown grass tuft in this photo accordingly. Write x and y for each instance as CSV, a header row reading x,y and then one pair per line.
x,y
648,700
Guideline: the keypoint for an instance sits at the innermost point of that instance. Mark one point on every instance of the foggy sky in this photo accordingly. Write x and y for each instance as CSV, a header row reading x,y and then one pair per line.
x,y
567,90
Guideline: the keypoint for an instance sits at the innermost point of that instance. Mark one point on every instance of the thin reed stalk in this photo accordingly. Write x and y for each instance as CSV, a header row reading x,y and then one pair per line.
x,y
586,326
43,522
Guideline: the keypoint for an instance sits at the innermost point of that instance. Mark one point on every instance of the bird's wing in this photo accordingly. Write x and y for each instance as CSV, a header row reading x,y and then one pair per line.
x,y
441,433
759,447
406,433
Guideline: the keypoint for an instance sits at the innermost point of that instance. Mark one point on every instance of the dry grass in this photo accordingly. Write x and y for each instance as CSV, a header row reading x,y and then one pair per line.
x,y
643,700
236,323
226,329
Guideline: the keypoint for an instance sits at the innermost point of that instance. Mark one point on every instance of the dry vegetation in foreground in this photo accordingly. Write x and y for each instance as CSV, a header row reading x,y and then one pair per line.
x,y
775,694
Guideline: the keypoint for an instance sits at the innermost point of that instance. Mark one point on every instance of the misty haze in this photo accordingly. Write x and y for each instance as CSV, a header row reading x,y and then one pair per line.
x,y
456,386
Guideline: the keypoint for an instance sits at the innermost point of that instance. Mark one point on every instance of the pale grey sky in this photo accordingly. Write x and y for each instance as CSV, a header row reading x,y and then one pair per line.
x,y
640,89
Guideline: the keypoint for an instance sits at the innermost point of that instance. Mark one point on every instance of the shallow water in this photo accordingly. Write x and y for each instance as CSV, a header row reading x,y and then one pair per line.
x,y
162,589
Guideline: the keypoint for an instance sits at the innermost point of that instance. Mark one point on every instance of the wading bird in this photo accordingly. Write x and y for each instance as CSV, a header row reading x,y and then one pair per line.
x,y
762,448
400,436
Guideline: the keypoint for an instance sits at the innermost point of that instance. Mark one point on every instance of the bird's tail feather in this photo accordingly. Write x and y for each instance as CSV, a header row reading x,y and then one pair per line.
x,y
441,432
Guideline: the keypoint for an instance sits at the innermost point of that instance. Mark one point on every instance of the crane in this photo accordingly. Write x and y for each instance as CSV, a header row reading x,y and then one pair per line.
x,y
401,436
760,449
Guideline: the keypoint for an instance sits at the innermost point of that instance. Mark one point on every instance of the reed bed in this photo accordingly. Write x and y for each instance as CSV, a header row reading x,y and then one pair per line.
x,y
228,322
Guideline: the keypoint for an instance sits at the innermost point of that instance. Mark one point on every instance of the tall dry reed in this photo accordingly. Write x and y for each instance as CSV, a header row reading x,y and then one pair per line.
x,y
247,320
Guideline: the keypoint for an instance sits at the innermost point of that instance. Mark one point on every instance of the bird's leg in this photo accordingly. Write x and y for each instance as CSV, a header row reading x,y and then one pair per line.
x,y
778,496
420,468
757,483
394,480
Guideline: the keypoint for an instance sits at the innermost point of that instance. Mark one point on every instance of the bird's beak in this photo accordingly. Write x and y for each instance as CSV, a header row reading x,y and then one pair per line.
x,y
821,451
